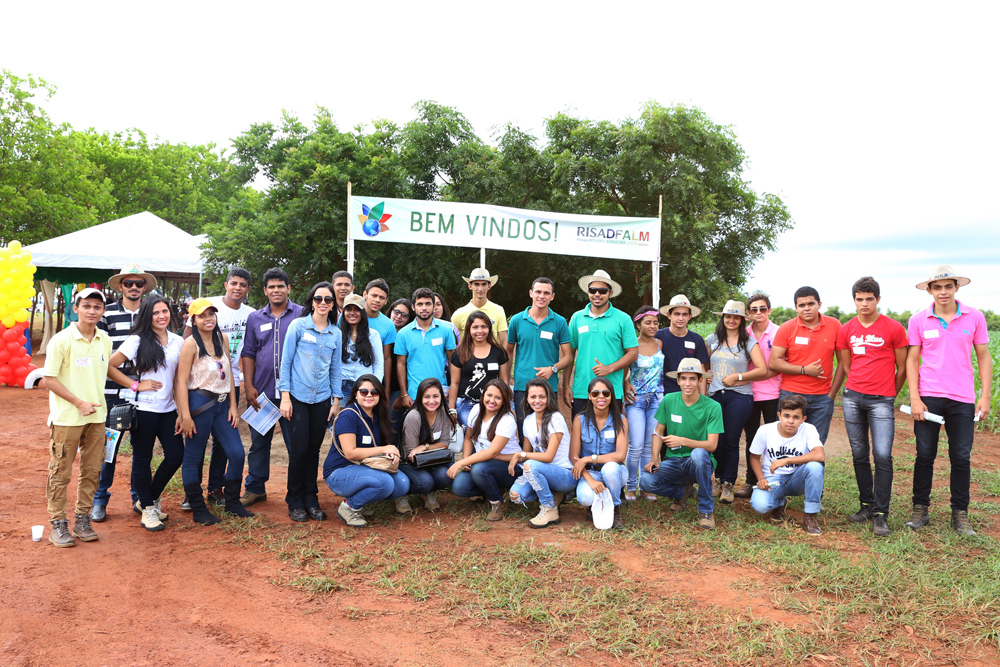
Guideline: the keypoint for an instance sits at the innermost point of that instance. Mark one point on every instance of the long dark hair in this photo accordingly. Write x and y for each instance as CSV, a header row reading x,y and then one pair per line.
x,y
505,399
445,310
426,435
722,335
381,411
307,309
465,347
551,407
614,409
363,351
150,354
409,309
220,347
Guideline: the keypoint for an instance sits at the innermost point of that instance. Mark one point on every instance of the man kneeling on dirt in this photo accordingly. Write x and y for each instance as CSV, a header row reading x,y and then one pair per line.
x,y
787,457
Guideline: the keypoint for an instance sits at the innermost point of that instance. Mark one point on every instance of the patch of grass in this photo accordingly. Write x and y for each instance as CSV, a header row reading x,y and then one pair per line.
x,y
988,481
314,586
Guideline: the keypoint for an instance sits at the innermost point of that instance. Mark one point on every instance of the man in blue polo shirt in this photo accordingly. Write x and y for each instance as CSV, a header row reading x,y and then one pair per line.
x,y
376,295
540,337
422,347
261,357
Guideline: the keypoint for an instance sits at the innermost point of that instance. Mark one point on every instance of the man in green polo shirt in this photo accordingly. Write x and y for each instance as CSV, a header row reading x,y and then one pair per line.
x,y
602,342
688,426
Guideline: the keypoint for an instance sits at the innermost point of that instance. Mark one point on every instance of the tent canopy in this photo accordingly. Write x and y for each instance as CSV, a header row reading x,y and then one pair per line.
x,y
96,253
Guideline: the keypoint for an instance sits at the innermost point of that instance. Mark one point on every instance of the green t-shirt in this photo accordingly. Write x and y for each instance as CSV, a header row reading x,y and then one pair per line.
x,y
696,422
604,338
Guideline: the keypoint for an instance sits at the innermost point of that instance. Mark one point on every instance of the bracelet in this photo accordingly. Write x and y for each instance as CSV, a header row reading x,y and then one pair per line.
x,y
452,411
802,370
135,385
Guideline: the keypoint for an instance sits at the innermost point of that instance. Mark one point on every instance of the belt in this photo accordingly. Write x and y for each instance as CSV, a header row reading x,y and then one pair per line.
x,y
219,398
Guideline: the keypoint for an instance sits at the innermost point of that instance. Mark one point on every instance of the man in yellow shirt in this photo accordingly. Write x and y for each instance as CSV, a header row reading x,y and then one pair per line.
x,y
76,366
480,281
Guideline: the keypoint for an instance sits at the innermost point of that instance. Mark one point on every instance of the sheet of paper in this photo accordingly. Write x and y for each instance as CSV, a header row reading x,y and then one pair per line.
x,y
264,419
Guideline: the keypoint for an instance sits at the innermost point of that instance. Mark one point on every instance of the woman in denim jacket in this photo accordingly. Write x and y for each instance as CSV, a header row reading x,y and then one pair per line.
x,y
598,447
643,393
310,386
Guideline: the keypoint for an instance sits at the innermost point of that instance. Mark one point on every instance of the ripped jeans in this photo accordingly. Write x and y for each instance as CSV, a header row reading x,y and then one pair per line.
x,y
540,480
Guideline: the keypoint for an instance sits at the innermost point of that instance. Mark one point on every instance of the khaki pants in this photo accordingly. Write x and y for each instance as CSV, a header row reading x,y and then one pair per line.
x,y
64,442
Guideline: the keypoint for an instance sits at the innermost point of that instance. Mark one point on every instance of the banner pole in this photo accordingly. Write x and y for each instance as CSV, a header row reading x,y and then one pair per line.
x,y
482,258
656,263
350,241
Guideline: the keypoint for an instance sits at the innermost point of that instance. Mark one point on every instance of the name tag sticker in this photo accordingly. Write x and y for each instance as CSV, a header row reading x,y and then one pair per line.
x,y
437,341
584,329
492,367
309,338
266,327
932,333
677,419
83,363
860,349
123,325
801,340
366,440
610,433
547,335
173,360
689,344
437,435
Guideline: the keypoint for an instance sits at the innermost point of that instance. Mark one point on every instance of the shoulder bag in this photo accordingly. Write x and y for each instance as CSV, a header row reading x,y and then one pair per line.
x,y
382,462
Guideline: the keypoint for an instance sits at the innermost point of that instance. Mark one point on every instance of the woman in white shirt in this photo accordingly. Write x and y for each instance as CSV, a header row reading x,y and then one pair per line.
x,y
548,473
362,351
490,444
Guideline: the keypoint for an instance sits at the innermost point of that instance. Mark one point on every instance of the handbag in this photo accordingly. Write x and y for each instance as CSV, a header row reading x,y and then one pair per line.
x,y
457,439
122,417
383,462
433,457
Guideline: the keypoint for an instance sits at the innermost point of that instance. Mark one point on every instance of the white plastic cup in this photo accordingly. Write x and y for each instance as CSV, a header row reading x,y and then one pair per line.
x,y
36,533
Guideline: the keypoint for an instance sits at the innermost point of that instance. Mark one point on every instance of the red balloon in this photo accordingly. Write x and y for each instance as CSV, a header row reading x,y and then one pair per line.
x,y
30,367
17,362
6,374
22,340
20,374
4,356
10,335
13,347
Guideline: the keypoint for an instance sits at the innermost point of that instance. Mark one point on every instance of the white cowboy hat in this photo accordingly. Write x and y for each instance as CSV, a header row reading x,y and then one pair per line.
x,y
733,308
132,271
600,276
481,274
689,365
680,300
941,272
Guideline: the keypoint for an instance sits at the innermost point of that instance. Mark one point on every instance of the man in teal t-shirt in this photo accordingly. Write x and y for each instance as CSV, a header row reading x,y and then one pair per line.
x,y
688,424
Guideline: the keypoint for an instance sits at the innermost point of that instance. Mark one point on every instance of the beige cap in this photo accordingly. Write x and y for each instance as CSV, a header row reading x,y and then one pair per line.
x,y
354,300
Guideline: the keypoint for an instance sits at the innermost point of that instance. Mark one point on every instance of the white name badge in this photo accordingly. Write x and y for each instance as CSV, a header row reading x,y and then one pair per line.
x,y
860,349
610,433
366,440
266,327
437,341
932,333
677,419
437,435
547,335
123,325
309,338
584,329
689,344
83,363
492,367
173,360
801,340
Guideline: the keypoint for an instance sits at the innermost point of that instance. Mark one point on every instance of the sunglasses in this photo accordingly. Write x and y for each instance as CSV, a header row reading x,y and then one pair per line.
x,y
598,290
364,391
605,393
396,312
222,372
762,309
324,299
134,283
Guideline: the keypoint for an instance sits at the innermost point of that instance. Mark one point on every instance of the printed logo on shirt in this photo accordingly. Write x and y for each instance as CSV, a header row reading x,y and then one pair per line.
x,y
868,340
784,453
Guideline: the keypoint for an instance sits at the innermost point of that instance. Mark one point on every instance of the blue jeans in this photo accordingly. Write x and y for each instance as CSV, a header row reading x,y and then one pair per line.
x,y
864,412
819,411
426,480
259,457
217,461
806,479
540,480
519,413
736,407
960,428
464,407
613,475
675,473
641,417
212,421
346,386
360,485
487,478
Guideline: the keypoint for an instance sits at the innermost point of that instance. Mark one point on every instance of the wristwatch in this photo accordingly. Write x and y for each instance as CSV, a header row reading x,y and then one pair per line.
x,y
135,385
524,455
593,457
739,376
555,371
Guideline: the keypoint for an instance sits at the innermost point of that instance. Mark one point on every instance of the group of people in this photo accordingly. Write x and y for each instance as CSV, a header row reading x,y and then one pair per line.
x,y
655,412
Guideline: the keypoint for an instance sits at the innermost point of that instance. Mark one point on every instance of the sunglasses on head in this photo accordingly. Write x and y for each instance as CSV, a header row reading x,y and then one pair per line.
x,y
324,299
134,283
598,290
605,393
761,309
365,391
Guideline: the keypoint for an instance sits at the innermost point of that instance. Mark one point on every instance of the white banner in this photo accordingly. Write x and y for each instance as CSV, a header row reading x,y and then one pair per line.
x,y
502,228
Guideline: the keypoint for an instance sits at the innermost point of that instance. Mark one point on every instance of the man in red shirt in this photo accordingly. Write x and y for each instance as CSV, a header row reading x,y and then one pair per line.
x,y
871,348
803,354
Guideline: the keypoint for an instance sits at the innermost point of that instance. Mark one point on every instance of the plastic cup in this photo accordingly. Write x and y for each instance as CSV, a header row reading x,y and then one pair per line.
x,y
36,533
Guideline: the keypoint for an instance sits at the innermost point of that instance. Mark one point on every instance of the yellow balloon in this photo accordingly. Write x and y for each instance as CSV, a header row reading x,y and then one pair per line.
x,y
16,260
31,268
21,316
5,253
15,246
8,321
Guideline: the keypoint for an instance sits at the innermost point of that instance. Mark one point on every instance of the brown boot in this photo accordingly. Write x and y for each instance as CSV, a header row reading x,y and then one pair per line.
x,y
82,528
811,524
960,522
680,504
60,534
497,510
778,513
616,521
745,491
919,518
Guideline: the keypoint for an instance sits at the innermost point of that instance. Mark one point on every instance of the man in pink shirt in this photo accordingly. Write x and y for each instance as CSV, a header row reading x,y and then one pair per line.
x,y
871,348
765,392
939,372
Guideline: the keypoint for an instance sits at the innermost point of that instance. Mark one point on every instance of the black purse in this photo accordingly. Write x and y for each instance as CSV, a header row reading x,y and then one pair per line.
x,y
433,457
122,416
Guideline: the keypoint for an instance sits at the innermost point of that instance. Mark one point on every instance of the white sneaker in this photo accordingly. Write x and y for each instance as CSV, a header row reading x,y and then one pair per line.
x,y
151,519
159,512
351,516
431,502
403,505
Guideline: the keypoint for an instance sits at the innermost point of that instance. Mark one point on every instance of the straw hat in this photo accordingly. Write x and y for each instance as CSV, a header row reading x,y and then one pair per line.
x,y
132,271
199,306
689,365
733,308
600,276
354,300
680,300
940,272
481,274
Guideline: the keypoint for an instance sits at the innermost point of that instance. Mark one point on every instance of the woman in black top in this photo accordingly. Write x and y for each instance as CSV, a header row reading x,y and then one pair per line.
x,y
477,360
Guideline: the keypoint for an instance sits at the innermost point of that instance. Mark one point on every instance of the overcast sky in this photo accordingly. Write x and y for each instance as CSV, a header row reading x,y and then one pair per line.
x,y
875,122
